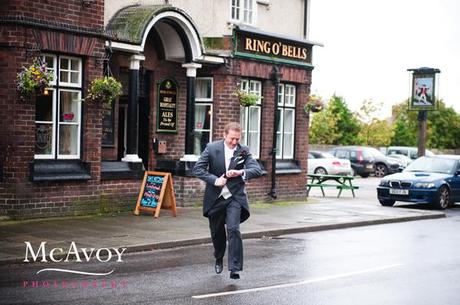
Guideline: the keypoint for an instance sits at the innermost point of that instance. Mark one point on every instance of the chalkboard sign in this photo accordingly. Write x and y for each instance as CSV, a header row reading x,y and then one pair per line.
x,y
157,192
167,106
108,135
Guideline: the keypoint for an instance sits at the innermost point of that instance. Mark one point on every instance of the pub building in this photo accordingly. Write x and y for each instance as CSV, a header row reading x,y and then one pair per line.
x,y
180,64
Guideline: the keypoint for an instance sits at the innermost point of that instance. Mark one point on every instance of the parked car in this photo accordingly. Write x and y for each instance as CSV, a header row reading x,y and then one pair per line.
x,y
428,180
324,163
402,159
366,160
410,152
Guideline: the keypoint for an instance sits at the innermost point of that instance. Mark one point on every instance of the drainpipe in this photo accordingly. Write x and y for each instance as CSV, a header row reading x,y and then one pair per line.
x,y
305,18
276,76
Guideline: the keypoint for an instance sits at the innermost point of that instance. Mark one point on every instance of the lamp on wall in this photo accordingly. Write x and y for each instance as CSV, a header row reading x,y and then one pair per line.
x,y
87,3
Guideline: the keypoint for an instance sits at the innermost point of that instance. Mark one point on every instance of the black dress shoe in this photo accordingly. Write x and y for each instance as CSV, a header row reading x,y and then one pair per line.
x,y
234,275
219,266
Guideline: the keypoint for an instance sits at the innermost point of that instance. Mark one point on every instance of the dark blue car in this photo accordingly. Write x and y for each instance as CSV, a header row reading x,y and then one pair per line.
x,y
429,180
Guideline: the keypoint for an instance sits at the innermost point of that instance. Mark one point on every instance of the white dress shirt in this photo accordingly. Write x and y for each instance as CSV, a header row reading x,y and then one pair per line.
x,y
228,156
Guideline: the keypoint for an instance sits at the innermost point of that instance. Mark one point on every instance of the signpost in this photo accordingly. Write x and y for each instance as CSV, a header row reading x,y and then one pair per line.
x,y
423,99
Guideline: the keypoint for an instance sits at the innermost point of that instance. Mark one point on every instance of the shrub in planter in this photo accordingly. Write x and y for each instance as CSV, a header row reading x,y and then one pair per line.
x,y
104,89
314,104
33,79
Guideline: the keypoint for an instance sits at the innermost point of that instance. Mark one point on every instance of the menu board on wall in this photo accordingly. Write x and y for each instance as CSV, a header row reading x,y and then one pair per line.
x,y
108,134
157,192
167,106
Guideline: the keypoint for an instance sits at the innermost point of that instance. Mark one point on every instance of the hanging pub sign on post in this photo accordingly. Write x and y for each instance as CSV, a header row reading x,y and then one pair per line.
x,y
156,193
423,99
423,89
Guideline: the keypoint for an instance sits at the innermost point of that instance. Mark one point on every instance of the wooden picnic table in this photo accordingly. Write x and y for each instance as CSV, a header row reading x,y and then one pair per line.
x,y
341,182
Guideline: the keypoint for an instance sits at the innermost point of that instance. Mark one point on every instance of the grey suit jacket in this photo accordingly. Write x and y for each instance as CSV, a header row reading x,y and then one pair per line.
x,y
211,165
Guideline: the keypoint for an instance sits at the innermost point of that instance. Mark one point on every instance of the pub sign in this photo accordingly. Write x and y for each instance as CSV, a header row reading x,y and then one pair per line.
x,y
274,49
167,106
423,89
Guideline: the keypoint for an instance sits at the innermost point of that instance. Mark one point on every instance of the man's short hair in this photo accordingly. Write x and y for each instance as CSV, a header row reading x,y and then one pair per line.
x,y
232,126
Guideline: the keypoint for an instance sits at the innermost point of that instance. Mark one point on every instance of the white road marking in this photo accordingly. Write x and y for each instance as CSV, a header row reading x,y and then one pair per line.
x,y
315,280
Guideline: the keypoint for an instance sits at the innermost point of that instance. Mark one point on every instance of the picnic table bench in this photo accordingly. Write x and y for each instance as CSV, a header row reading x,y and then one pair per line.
x,y
340,182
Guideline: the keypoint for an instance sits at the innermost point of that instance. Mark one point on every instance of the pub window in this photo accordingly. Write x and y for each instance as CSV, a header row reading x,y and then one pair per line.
x,y
243,11
286,122
250,118
203,113
58,113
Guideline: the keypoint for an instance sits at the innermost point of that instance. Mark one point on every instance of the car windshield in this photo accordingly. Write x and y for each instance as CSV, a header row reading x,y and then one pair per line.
x,y
432,165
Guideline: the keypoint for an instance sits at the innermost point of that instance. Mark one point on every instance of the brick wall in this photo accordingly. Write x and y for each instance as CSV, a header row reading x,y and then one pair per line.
x,y
20,198
70,12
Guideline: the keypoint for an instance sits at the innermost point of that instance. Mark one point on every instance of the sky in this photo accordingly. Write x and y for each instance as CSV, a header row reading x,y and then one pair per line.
x,y
370,44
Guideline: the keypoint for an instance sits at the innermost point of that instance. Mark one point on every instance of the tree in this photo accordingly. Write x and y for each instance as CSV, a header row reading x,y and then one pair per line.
x,y
323,128
334,125
347,125
373,131
443,127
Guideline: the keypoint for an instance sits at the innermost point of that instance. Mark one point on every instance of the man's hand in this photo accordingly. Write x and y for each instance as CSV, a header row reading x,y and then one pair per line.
x,y
221,181
234,173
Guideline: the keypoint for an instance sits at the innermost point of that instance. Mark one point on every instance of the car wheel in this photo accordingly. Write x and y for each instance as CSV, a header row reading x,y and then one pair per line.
x,y
443,198
321,171
381,170
387,202
364,175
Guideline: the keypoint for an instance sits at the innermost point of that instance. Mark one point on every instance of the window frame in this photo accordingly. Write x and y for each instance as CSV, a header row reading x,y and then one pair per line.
x,y
238,8
78,124
205,101
55,89
284,96
245,86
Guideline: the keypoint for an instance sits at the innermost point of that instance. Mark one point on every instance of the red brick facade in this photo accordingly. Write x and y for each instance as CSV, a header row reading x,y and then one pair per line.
x,y
77,30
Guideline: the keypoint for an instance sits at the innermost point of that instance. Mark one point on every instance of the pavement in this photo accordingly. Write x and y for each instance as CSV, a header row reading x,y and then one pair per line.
x,y
189,227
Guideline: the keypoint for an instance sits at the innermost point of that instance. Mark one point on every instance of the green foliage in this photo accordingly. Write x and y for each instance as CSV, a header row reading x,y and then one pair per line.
x,y
335,125
323,129
347,126
373,131
377,133
443,127
247,99
314,104
104,89
338,126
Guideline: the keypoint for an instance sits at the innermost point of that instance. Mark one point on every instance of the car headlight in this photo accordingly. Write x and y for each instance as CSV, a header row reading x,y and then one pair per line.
x,y
424,185
384,182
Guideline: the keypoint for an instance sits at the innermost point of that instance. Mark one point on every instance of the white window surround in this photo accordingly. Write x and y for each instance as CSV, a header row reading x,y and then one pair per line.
x,y
53,129
243,12
56,89
204,101
286,109
252,130
69,72
77,123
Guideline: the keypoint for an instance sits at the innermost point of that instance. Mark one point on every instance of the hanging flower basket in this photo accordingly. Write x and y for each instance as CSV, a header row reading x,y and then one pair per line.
x,y
247,99
104,89
33,79
313,104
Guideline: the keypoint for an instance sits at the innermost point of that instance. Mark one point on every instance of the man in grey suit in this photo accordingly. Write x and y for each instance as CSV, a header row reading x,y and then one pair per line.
x,y
225,166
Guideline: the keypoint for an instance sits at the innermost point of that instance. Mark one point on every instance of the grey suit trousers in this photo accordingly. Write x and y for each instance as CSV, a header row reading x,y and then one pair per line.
x,y
227,212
